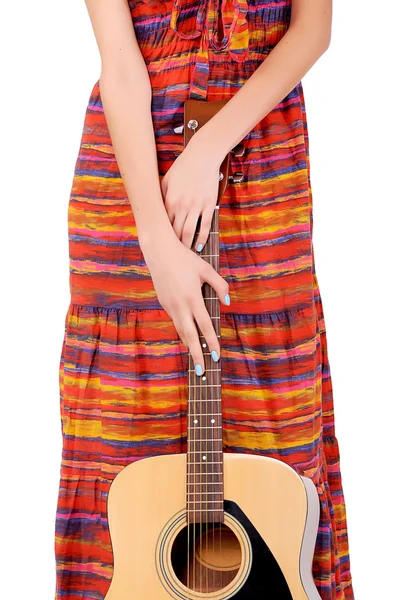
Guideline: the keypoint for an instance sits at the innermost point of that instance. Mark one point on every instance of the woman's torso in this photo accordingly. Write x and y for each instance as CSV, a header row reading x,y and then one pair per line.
x,y
265,220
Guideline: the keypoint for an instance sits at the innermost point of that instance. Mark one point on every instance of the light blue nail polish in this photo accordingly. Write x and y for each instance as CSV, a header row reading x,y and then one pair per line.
x,y
227,300
198,370
214,355
199,247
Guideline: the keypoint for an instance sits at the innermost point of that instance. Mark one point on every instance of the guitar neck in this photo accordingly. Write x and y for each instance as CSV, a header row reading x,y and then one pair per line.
x,y
205,482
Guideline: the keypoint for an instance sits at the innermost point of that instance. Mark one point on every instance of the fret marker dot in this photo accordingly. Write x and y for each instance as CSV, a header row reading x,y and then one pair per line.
x,y
196,421
204,457
204,345
213,421
203,378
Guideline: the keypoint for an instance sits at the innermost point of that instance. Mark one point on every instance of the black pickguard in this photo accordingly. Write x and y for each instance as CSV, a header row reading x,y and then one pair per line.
x,y
266,580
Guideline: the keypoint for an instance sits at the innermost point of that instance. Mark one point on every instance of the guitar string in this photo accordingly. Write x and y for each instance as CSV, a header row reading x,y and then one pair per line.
x,y
212,253
212,398
206,454
189,442
211,391
192,469
194,488
197,498
189,416
199,453
204,398
194,481
196,391
200,480
219,396
218,333
189,487
193,464
206,412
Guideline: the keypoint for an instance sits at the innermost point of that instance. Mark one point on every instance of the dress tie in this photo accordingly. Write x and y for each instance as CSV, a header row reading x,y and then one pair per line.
x,y
235,30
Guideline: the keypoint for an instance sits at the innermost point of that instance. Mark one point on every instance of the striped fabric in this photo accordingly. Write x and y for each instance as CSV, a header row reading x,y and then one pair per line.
x,y
123,381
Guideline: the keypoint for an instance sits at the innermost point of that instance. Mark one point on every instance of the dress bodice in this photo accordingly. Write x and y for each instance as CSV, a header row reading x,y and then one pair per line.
x,y
233,24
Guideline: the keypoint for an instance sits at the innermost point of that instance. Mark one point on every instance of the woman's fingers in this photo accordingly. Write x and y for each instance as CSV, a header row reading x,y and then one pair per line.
x,y
209,336
220,286
205,224
204,340
189,228
203,319
188,332
179,223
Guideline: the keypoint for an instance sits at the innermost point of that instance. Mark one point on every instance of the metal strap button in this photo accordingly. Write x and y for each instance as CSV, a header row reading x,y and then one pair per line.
x,y
193,124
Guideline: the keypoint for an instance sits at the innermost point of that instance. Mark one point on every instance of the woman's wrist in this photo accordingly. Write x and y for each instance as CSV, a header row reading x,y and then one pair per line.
x,y
155,236
205,143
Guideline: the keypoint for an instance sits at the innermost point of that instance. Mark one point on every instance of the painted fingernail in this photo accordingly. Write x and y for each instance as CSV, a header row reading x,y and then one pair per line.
x,y
198,370
199,247
214,355
227,300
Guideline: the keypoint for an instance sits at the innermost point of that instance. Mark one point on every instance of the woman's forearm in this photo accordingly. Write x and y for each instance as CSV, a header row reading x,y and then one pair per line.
x,y
305,41
127,105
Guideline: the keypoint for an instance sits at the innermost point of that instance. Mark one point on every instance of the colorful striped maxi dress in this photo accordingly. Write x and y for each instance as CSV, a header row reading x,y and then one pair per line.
x,y
123,368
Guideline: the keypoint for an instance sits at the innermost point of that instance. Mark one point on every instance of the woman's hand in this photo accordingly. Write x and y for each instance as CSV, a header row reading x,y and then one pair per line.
x,y
178,274
190,190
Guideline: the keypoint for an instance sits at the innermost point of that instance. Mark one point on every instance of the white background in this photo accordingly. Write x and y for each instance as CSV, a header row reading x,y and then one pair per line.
x,y
50,63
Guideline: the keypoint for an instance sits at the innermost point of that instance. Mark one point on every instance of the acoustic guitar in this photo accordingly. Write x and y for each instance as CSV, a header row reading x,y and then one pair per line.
x,y
208,524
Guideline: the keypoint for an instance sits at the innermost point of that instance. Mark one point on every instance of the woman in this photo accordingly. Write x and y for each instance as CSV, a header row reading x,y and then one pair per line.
x,y
136,283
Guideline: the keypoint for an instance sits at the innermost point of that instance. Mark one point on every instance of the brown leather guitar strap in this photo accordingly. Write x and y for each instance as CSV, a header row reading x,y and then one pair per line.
x,y
196,114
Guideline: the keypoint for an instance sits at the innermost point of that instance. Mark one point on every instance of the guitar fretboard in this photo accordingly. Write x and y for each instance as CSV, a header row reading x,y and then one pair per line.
x,y
205,481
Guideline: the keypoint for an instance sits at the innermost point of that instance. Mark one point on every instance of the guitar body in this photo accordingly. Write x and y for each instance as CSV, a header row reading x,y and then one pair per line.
x,y
263,548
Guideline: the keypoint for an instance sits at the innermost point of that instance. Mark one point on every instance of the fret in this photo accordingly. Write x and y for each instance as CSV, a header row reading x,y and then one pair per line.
x,y
218,493
198,378
207,427
204,451
206,462
207,474
208,440
210,415
209,483
205,510
211,501
206,385
216,370
207,371
196,428
205,500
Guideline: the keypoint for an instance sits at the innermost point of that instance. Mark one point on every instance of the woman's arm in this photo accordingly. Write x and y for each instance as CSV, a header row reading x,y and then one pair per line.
x,y
126,97
177,273
306,39
189,186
